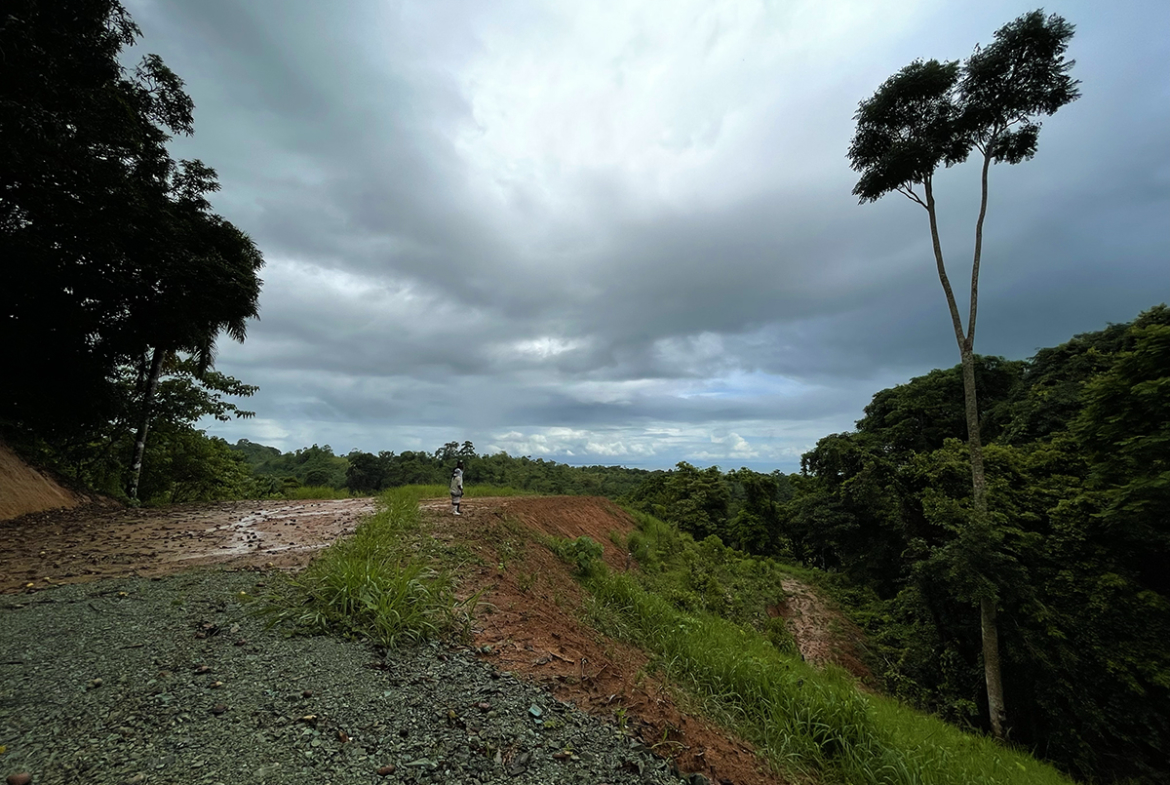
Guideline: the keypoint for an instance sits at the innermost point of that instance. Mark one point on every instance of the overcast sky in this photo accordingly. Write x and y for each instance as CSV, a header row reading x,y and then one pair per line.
x,y
622,232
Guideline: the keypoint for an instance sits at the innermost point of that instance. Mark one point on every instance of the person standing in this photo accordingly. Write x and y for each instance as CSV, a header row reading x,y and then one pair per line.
x,y
457,487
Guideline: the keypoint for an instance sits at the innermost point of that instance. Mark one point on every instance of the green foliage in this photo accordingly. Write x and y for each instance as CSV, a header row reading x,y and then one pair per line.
x,y
908,129
742,507
584,553
120,270
809,723
932,114
364,472
495,475
316,466
1074,549
707,576
919,416
371,585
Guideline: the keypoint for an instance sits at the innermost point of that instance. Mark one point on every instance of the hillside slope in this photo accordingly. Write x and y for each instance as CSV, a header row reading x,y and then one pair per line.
x,y
23,489
531,623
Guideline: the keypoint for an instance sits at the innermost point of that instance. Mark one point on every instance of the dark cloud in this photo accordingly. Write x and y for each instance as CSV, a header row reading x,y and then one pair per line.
x,y
559,229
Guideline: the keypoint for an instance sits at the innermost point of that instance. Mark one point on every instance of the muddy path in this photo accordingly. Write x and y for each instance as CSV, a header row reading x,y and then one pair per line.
x,y
823,635
87,543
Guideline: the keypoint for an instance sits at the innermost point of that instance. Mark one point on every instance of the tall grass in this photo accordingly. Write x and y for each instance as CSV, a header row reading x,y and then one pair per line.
x,y
810,723
373,585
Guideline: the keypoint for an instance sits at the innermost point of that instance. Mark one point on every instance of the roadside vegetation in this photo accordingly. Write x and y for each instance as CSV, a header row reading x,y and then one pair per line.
x,y
701,610
1077,462
373,585
380,584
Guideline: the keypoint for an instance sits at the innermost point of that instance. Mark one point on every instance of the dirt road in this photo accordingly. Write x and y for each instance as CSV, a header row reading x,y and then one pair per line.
x,y
87,543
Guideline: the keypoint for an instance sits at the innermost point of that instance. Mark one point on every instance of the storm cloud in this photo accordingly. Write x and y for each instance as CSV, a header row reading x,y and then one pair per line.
x,y
623,232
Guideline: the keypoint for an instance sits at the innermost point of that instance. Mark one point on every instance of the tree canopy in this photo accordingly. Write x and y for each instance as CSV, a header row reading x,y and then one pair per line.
x,y
113,256
932,114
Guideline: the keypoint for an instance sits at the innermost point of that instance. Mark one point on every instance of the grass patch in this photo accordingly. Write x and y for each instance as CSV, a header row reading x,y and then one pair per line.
x,y
810,723
373,585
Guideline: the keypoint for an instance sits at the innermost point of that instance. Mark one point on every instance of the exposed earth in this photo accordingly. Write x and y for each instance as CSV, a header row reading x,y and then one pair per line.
x,y
527,622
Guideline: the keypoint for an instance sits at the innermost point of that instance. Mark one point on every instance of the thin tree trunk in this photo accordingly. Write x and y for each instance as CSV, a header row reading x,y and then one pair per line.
x,y
978,254
956,319
144,426
992,674
991,670
987,611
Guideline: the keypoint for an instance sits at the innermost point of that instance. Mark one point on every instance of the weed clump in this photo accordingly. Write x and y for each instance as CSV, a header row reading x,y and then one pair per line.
x,y
583,553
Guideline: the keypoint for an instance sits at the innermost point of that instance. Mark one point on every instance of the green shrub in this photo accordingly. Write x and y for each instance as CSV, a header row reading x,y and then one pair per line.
x,y
583,553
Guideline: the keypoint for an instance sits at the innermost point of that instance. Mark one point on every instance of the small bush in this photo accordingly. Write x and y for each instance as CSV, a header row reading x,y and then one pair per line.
x,y
583,553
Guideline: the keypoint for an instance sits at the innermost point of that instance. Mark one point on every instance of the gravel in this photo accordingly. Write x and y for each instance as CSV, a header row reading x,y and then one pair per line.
x,y
173,680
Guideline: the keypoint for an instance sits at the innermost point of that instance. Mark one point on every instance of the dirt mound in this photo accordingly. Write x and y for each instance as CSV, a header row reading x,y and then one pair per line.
x,y
23,489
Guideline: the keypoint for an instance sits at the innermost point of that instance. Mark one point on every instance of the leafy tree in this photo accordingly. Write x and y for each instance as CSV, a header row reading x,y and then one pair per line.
x,y
1125,430
115,258
82,159
920,415
366,473
1048,396
932,114
756,500
695,500
204,282
187,466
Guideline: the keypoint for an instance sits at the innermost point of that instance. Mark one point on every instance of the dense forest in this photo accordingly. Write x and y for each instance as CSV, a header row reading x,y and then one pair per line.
x,y
1078,463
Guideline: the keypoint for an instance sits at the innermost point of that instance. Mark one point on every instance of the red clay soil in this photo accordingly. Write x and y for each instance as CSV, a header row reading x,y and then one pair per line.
x,y
530,624
23,489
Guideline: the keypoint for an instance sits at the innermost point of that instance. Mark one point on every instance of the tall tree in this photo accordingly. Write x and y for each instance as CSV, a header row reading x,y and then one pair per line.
x,y
933,114
203,282
112,254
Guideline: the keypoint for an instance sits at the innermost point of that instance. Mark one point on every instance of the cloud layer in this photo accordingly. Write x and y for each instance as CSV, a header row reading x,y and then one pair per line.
x,y
623,232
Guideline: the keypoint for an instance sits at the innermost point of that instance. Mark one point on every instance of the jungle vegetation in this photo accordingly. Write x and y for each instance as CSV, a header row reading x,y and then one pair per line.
x,y
1078,489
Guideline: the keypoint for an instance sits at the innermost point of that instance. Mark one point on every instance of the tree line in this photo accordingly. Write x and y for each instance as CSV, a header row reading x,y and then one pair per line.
x,y
1077,462
367,473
